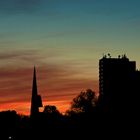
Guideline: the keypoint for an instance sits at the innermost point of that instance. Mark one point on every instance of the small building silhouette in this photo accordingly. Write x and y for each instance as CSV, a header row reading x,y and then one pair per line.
x,y
119,85
36,100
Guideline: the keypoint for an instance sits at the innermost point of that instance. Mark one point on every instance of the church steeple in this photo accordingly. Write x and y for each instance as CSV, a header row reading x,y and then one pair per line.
x,y
36,101
34,87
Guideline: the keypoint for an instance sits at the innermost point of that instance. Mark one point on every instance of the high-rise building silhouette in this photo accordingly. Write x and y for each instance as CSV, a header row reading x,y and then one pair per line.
x,y
36,101
118,84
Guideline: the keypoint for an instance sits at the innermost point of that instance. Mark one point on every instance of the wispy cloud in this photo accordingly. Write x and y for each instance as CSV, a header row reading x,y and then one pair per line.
x,y
60,77
56,81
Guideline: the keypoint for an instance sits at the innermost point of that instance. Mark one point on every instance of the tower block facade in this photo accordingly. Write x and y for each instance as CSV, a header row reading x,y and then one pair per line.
x,y
36,100
119,83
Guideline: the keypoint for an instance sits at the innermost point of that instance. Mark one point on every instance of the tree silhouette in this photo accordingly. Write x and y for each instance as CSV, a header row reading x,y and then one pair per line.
x,y
51,110
85,102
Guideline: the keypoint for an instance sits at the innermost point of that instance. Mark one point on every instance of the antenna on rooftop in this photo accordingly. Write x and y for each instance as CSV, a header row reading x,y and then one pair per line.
x,y
104,56
109,55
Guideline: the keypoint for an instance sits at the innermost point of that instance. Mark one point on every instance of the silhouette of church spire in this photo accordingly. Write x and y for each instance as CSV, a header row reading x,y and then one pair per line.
x,y
34,87
36,101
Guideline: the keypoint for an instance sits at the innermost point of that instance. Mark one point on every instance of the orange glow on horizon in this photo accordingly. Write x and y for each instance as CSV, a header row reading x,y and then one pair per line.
x,y
56,86
24,107
62,102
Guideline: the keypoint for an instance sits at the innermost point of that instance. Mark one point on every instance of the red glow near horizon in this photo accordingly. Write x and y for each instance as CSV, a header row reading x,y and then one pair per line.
x,y
56,86
62,102
24,107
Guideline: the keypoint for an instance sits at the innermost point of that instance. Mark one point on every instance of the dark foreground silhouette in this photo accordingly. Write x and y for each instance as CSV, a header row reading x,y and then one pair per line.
x,y
80,126
84,120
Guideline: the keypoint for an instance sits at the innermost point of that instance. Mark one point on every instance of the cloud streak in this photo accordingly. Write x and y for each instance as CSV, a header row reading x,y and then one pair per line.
x,y
56,81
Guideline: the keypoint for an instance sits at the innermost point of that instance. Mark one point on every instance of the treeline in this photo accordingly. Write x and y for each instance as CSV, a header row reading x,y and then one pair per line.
x,y
83,119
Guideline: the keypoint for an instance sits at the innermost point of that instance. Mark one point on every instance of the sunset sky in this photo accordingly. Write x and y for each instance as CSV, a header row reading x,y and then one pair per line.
x,y
64,39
